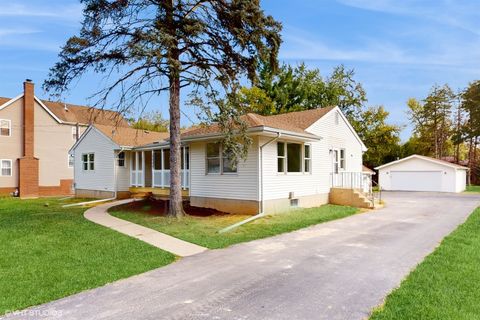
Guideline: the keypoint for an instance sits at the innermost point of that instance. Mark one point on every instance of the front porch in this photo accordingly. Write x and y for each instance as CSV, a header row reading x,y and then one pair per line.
x,y
352,189
160,192
150,171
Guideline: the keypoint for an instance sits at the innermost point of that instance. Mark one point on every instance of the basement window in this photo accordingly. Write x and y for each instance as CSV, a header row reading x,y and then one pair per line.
x,y
6,168
5,128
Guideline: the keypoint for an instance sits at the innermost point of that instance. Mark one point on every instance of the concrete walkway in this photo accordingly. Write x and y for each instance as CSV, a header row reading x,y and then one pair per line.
x,y
160,240
335,270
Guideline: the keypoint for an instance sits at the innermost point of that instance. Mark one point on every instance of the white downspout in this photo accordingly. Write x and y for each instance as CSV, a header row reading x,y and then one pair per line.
x,y
261,213
115,187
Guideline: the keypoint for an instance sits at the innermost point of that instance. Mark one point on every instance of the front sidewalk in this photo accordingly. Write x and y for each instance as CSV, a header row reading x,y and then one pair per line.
x,y
160,240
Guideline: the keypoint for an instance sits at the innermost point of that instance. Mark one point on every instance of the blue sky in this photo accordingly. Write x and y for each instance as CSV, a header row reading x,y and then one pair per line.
x,y
398,49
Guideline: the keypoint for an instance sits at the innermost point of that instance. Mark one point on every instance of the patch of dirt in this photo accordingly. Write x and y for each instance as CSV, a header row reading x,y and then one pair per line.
x,y
159,208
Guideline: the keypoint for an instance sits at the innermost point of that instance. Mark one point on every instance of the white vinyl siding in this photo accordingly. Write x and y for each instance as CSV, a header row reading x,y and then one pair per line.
x,y
417,174
240,185
102,178
123,173
461,180
318,180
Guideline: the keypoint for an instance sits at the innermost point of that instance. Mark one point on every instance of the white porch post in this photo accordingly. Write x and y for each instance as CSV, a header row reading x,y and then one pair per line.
x,y
183,168
153,169
162,169
136,169
143,169
131,167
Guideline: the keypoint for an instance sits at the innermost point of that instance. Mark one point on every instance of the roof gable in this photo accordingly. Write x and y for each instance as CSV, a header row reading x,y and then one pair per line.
x,y
345,120
425,158
73,114
130,137
296,122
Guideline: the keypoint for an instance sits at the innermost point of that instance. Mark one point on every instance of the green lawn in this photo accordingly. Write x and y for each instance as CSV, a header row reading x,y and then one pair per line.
x,y
446,285
48,252
204,230
473,189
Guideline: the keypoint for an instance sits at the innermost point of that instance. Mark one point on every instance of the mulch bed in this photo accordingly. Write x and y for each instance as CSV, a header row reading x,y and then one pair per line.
x,y
158,207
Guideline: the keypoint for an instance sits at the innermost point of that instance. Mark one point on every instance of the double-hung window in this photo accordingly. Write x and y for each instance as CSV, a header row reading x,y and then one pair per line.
x,y
342,159
293,157
6,168
307,156
281,157
121,159
5,128
219,161
71,161
88,160
74,133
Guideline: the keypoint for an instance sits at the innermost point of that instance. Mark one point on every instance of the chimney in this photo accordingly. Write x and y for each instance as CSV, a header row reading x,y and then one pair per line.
x,y
28,164
28,118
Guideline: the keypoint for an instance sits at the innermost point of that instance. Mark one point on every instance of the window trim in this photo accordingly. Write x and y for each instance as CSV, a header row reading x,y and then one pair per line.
x,y
68,160
340,151
74,133
9,127
1,167
302,155
88,162
284,158
309,159
220,157
124,159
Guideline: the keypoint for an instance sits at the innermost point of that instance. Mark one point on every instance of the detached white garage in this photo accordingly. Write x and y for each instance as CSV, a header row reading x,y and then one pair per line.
x,y
420,173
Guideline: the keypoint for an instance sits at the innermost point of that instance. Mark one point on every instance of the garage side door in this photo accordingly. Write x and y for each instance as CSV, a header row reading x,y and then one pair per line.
x,y
416,180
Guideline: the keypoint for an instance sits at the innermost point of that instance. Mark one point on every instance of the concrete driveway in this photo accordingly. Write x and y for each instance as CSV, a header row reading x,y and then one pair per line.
x,y
337,270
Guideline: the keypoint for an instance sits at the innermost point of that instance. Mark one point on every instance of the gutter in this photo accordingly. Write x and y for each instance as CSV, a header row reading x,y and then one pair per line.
x,y
261,213
115,190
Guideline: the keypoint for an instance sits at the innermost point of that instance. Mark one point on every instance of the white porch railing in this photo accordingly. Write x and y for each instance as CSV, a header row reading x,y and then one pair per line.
x,y
161,178
137,178
352,180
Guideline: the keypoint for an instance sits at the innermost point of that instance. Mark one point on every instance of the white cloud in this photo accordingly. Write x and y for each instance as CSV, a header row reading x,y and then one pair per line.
x,y
463,15
4,32
304,47
62,12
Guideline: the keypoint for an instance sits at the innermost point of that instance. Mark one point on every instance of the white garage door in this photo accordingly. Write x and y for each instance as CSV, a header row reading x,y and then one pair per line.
x,y
416,180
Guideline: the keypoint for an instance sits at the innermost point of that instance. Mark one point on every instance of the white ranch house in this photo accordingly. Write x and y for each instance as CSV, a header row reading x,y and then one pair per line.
x,y
294,161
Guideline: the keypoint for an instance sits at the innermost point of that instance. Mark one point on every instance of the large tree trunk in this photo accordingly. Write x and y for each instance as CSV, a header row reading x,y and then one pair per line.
x,y
175,208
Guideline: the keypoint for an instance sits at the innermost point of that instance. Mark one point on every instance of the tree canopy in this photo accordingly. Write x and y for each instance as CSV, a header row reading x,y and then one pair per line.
x,y
299,88
151,121
146,47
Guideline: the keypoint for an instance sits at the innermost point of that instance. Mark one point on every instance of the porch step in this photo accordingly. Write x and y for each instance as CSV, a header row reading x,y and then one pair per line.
x,y
141,195
349,197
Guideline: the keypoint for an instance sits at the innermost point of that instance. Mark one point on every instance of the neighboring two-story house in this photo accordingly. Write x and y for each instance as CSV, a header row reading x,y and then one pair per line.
x,y
35,137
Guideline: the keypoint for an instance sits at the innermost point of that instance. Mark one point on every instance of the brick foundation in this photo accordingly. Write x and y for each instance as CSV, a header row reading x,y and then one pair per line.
x,y
64,189
6,191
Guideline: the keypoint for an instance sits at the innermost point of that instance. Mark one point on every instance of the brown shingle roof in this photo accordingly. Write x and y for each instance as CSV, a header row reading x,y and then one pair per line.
x,y
81,114
129,137
85,115
4,100
293,121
